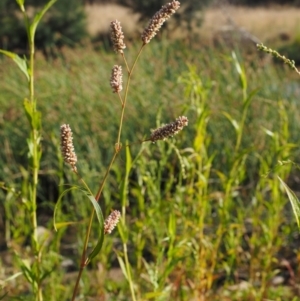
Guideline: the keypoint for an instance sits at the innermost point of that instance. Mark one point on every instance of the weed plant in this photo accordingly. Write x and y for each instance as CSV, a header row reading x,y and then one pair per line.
x,y
206,217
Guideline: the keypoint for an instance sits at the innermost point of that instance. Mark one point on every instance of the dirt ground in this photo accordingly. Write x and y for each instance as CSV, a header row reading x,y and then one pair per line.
x,y
263,22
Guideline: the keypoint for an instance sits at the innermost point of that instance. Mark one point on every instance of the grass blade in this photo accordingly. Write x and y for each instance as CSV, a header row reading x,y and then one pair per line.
x,y
293,200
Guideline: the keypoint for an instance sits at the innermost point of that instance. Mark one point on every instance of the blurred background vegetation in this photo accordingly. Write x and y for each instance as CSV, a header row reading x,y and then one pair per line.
x,y
207,216
66,23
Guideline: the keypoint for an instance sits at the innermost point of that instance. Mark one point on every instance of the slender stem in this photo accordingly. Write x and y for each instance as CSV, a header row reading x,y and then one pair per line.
x,y
127,264
88,232
119,147
128,70
35,160
106,175
128,272
240,133
83,255
126,94
117,150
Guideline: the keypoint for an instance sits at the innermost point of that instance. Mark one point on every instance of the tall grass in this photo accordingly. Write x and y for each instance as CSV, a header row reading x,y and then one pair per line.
x,y
206,216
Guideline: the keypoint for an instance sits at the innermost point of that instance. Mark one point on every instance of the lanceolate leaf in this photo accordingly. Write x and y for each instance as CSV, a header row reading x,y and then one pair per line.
x,y
99,216
20,2
233,122
241,72
38,17
294,201
122,265
58,225
250,98
28,110
22,64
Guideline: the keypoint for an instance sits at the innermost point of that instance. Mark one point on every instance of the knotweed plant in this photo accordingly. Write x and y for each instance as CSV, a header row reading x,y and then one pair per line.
x,y
33,272
291,195
68,152
34,269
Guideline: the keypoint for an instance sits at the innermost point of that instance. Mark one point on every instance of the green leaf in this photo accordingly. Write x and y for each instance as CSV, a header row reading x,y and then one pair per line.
x,y
30,148
34,117
37,120
99,215
294,201
47,273
172,226
14,276
240,70
27,271
57,225
122,229
21,63
20,2
153,295
38,17
268,132
232,121
28,110
250,98
65,224
122,266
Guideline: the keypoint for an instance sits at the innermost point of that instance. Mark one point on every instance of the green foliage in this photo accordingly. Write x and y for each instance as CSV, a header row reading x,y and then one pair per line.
x,y
274,53
291,50
64,25
206,216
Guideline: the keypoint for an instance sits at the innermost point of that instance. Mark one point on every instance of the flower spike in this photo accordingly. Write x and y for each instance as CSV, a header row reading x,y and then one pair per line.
x,y
169,129
158,20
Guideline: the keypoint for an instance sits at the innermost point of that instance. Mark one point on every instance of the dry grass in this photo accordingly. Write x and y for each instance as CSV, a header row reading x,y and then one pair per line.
x,y
100,16
265,23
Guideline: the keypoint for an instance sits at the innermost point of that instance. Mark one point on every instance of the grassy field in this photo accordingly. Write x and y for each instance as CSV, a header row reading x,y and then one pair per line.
x,y
266,23
206,216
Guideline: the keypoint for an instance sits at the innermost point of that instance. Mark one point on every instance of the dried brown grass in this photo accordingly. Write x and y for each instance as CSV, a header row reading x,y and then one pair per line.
x,y
263,22
99,18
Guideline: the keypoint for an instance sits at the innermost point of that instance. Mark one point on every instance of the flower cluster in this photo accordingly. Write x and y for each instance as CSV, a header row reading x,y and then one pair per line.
x,y
117,36
111,222
169,129
116,79
158,19
67,147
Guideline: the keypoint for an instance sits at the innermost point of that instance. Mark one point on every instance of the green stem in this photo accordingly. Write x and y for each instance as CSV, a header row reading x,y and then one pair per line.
x,y
105,176
117,150
240,134
87,236
35,162
126,94
88,232
128,272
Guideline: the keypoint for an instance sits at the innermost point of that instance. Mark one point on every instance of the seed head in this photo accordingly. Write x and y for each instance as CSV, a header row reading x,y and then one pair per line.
x,y
169,130
67,147
158,19
117,36
111,222
116,79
